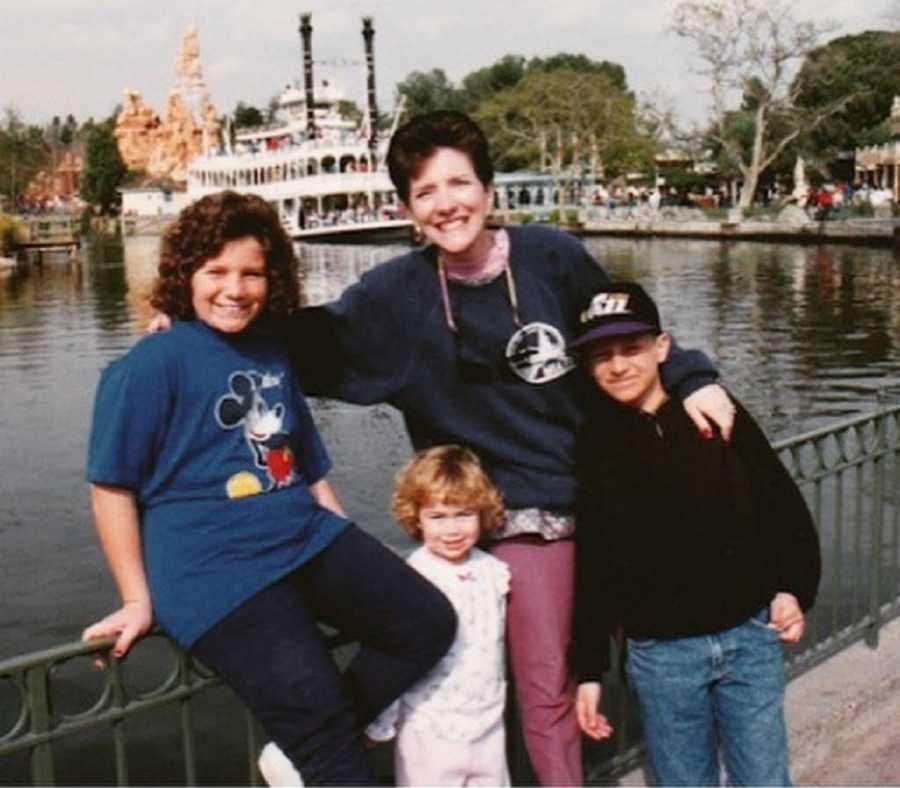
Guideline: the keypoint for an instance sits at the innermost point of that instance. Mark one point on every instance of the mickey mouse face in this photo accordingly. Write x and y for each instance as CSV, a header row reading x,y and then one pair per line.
x,y
245,405
233,408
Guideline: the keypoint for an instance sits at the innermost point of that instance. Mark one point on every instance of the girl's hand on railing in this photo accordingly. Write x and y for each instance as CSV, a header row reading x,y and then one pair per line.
x,y
587,709
786,617
159,322
128,623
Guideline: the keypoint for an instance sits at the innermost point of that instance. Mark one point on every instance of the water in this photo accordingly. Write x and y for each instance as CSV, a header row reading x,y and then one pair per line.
x,y
802,335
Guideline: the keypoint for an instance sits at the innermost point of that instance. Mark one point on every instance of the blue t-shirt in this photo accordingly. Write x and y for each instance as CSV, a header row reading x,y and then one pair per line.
x,y
212,433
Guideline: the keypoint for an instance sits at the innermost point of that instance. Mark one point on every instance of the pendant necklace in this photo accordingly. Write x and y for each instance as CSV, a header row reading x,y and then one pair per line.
x,y
536,352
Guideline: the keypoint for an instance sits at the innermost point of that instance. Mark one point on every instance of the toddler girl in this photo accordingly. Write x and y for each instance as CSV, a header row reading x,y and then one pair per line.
x,y
449,725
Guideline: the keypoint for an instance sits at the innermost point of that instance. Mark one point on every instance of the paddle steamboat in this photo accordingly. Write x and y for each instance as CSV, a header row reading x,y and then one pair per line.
x,y
323,172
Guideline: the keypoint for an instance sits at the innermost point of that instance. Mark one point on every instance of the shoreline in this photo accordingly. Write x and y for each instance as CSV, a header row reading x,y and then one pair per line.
x,y
869,232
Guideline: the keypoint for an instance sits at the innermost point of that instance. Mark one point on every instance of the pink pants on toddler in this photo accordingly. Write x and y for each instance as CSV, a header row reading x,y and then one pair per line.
x,y
420,759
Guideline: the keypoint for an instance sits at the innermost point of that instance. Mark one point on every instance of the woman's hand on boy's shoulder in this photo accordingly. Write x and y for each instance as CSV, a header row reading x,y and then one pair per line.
x,y
127,623
159,322
711,403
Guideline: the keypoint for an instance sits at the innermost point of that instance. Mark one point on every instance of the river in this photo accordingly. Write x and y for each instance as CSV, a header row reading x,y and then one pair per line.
x,y
803,335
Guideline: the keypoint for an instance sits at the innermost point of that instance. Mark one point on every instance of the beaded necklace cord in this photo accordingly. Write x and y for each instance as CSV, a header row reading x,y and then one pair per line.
x,y
445,294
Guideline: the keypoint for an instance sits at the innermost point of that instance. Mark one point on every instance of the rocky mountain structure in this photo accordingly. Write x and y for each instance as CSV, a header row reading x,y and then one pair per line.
x,y
163,147
135,132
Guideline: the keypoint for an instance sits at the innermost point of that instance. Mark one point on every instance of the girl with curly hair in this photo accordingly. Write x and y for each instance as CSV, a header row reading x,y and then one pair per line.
x,y
210,498
449,726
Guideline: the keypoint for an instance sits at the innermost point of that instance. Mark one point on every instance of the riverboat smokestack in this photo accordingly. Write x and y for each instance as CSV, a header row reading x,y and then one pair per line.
x,y
306,40
368,35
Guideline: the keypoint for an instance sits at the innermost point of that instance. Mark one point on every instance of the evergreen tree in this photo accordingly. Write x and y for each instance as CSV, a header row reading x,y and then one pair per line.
x,y
68,131
104,170
864,67
428,91
246,115
23,152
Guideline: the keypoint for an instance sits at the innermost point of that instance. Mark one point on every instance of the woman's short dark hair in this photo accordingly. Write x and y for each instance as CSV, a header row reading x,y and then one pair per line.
x,y
200,233
415,141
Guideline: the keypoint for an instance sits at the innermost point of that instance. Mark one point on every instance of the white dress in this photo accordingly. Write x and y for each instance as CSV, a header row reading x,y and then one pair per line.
x,y
463,696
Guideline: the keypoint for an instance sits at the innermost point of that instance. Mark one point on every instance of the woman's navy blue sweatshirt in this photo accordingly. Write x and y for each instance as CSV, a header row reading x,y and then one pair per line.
x,y
387,340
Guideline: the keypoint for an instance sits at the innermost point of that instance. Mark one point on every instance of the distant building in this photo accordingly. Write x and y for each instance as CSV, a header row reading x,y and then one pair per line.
x,y
878,166
525,191
153,198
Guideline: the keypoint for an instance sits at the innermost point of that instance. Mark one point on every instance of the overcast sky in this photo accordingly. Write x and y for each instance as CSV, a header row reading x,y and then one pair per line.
x,y
77,56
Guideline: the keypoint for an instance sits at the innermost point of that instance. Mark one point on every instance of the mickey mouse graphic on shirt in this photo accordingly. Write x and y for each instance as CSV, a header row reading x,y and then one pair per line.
x,y
263,424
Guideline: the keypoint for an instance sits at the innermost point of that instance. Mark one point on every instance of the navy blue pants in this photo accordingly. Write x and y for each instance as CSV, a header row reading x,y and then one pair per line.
x,y
271,652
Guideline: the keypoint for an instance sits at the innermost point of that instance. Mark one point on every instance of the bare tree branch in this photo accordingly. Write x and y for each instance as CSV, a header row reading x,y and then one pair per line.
x,y
750,48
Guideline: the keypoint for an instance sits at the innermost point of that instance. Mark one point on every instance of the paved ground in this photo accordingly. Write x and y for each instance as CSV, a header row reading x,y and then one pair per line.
x,y
844,718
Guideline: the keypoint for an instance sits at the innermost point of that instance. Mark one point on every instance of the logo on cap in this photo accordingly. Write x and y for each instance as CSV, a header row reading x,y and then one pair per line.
x,y
606,304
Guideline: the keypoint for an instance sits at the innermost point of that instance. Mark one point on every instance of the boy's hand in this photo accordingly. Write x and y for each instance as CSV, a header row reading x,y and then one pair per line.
x,y
711,403
786,617
587,705
160,322
129,622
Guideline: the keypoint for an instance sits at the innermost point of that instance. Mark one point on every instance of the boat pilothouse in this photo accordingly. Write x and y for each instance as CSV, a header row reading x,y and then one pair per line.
x,y
323,172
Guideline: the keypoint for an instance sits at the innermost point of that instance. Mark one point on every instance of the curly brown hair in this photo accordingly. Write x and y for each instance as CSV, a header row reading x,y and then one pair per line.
x,y
200,233
447,474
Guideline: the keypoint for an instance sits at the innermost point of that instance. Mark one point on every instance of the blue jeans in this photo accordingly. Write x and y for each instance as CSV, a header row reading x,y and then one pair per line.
x,y
271,652
703,696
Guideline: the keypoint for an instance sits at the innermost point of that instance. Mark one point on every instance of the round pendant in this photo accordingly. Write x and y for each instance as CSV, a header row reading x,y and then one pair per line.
x,y
537,353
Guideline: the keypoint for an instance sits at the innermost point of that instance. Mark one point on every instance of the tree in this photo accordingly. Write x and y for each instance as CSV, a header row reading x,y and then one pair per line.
x,y
23,152
272,109
481,85
427,91
104,171
863,66
748,48
247,115
565,61
348,110
69,130
568,123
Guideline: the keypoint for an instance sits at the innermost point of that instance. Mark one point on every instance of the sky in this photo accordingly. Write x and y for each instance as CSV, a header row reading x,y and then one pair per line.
x,y
77,56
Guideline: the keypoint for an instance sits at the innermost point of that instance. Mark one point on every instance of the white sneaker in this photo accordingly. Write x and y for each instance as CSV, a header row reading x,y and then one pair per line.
x,y
276,768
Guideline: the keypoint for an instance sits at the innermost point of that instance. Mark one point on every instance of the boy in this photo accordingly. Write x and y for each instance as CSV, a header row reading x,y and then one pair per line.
x,y
702,551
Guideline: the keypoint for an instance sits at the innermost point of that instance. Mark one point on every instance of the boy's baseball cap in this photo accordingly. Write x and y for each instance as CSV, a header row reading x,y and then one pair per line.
x,y
619,309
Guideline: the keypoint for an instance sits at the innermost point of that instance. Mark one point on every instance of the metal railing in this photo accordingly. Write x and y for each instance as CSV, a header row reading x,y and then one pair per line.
x,y
849,473
37,722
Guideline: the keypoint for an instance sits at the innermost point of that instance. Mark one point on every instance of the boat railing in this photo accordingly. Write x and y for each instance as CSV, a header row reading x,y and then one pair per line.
x,y
849,473
345,146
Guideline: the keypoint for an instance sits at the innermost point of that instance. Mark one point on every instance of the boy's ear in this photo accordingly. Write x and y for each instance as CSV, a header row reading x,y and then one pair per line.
x,y
663,345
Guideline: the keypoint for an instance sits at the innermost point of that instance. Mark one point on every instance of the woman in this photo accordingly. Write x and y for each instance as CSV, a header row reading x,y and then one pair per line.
x,y
467,338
